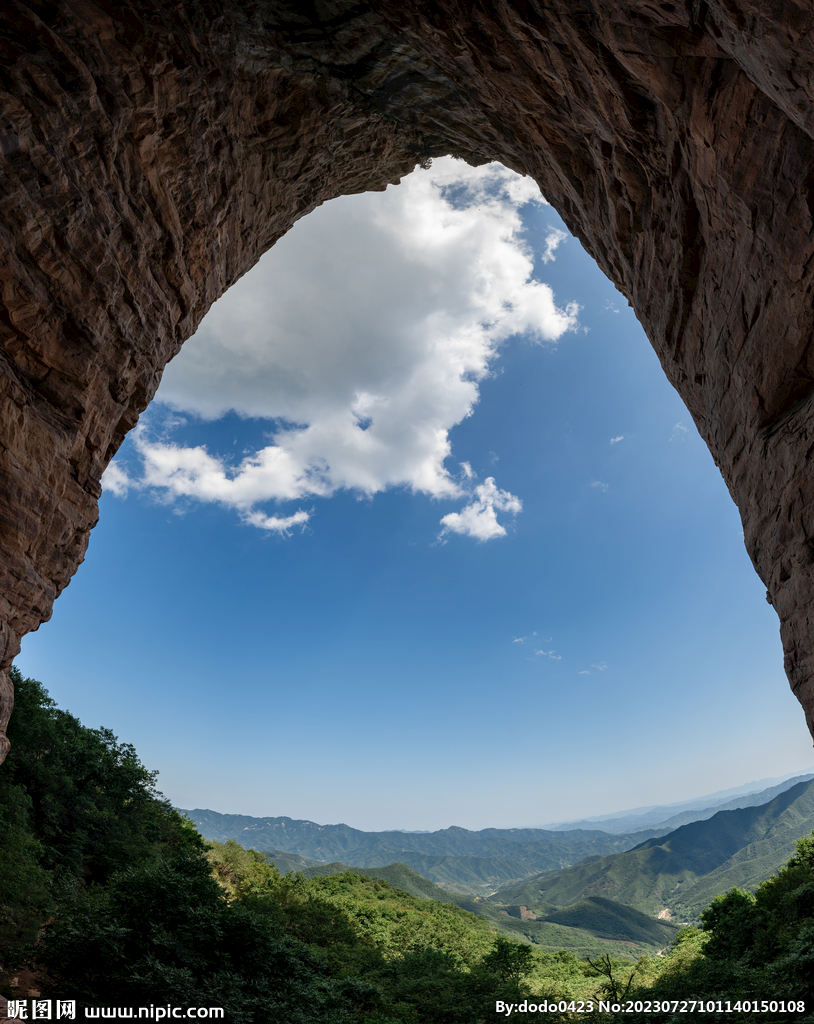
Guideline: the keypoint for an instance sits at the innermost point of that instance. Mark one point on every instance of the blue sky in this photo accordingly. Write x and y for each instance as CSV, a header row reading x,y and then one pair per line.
x,y
418,534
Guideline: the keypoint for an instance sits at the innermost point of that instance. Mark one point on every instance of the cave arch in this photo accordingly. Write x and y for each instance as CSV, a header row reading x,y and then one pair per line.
x,y
153,151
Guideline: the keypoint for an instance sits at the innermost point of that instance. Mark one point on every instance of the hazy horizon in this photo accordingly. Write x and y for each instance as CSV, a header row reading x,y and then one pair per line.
x,y
751,787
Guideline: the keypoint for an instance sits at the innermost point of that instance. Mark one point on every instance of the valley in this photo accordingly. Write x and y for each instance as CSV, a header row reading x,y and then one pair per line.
x,y
474,863
585,890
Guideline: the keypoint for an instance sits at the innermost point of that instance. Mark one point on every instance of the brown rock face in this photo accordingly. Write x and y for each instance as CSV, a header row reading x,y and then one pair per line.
x,y
152,151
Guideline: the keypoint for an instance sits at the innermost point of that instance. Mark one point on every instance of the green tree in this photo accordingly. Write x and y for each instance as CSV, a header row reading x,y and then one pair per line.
x,y
732,920
94,807
508,960
24,883
166,932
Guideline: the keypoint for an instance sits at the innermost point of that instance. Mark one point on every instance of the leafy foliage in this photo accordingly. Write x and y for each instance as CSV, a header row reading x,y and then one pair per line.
x,y
429,961
24,883
770,935
74,802
112,895
614,985
164,932
93,806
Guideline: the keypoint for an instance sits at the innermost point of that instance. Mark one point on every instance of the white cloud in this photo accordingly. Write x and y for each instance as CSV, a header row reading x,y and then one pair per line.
x,y
600,668
599,485
278,524
479,518
116,480
616,440
520,640
679,432
363,337
552,240
550,654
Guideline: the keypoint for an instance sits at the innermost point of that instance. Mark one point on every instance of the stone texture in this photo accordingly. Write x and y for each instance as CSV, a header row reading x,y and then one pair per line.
x,y
153,151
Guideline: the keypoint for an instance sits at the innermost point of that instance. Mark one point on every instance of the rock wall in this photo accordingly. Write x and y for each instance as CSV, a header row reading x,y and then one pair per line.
x,y
152,151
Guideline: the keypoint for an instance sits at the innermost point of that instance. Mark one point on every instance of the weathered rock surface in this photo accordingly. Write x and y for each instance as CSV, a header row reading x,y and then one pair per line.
x,y
151,152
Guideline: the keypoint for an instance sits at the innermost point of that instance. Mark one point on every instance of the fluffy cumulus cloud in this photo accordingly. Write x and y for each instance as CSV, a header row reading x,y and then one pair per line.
x,y
479,518
553,238
116,480
362,338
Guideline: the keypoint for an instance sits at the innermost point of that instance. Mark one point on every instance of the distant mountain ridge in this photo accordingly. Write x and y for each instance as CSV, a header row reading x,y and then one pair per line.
x,y
591,888
479,863
454,857
683,871
671,816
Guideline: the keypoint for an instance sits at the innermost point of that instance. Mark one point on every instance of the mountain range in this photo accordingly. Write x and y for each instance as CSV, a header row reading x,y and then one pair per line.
x,y
584,889
466,862
670,816
457,858
679,874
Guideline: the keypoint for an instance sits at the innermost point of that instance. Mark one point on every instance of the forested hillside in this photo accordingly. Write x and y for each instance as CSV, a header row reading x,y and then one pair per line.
x,y
684,871
593,928
109,896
